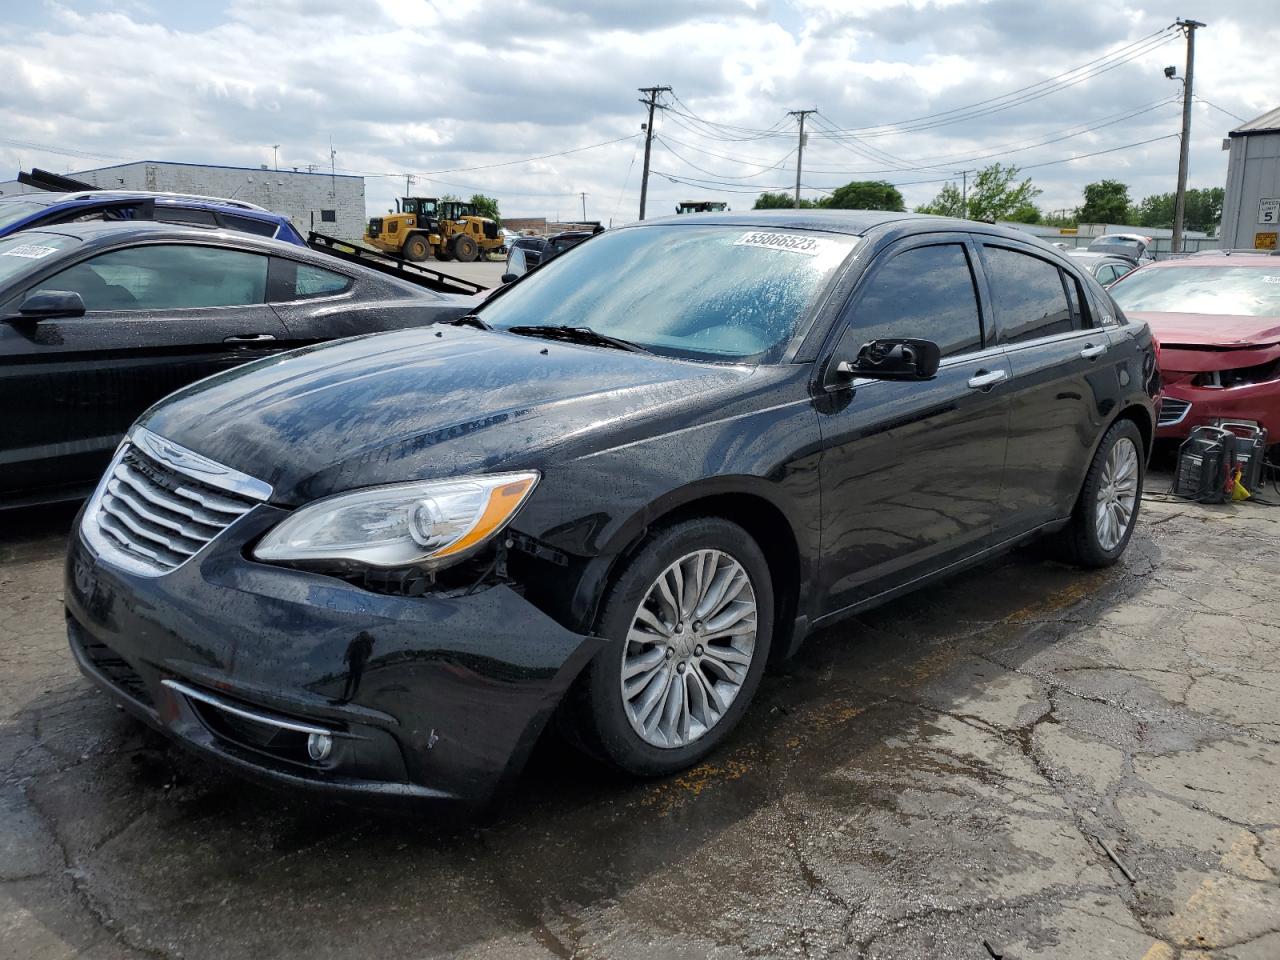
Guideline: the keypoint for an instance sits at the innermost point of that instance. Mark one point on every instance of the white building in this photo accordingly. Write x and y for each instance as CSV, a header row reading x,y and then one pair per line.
x,y
324,202
1251,205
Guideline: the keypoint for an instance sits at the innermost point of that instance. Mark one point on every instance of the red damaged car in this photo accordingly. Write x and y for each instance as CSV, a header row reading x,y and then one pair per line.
x,y
1217,317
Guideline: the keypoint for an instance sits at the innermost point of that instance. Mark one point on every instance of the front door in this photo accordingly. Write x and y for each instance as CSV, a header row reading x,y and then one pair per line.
x,y
158,317
911,472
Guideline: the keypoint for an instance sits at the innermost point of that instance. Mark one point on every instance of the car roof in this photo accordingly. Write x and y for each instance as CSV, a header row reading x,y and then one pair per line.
x,y
852,222
107,233
87,196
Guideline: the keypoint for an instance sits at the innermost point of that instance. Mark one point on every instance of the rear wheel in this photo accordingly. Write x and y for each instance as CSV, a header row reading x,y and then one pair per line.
x,y
416,248
689,621
465,248
1107,510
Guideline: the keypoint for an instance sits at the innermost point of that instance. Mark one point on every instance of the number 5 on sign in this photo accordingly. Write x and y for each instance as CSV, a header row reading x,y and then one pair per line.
x,y
1269,211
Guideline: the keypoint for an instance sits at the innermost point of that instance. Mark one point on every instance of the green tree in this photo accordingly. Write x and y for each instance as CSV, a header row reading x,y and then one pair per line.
x,y
995,194
866,195
1027,213
1203,210
948,203
1106,201
781,201
486,206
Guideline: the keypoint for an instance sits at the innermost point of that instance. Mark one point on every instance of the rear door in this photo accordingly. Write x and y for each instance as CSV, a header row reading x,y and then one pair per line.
x,y
911,472
158,316
1061,377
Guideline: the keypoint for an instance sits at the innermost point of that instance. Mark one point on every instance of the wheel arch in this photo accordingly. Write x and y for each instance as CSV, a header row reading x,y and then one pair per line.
x,y
744,504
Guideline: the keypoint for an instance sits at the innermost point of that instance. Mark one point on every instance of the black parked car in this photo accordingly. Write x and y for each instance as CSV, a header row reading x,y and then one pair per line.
x,y
100,320
525,253
629,481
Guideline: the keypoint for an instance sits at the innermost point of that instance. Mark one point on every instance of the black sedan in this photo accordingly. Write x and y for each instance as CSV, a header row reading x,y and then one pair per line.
x,y
98,321
612,495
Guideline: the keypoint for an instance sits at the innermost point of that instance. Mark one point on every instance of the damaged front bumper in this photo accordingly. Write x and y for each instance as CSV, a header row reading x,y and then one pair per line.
x,y
440,696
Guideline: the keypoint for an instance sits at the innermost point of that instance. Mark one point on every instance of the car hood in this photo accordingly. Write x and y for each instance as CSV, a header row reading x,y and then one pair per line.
x,y
1210,330
422,403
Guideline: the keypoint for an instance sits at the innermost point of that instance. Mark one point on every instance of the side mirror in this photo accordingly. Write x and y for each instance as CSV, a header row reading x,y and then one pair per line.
x,y
894,359
510,277
47,304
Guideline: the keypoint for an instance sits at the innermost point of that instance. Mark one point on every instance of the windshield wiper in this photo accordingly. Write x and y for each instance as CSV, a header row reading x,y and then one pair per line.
x,y
470,320
578,335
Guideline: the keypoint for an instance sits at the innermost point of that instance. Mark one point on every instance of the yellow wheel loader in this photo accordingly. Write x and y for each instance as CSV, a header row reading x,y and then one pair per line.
x,y
426,226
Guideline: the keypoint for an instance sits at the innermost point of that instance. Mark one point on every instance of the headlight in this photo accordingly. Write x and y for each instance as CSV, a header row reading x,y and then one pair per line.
x,y
428,525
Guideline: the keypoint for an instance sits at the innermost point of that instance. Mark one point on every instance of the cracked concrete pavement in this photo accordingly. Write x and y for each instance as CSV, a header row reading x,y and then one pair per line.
x,y
936,778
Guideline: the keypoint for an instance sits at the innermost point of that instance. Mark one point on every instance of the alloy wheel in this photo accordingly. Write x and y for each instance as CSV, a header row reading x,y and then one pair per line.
x,y
1117,494
689,648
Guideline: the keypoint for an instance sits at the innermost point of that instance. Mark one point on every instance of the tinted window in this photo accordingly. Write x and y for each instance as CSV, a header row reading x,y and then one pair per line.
x,y
1027,293
185,215
261,228
115,212
315,282
166,277
27,251
329,216
926,293
702,292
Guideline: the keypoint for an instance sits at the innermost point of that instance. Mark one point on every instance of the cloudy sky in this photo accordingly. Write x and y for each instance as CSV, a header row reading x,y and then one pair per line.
x,y
910,91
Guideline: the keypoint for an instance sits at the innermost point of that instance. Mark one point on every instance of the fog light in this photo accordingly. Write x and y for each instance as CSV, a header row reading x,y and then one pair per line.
x,y
319,745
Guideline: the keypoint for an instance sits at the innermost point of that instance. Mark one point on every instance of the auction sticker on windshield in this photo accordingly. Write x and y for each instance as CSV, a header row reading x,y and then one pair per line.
x,y
789,242
30,251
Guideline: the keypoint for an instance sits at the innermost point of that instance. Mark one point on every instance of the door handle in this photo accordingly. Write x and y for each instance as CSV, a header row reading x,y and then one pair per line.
x,y
1090,351
986,379
249,338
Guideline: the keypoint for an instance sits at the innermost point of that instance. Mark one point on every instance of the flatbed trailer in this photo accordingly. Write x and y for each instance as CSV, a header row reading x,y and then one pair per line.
x,y
414,273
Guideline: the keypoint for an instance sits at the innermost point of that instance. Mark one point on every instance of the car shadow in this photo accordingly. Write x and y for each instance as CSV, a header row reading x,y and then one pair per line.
x,y
154,837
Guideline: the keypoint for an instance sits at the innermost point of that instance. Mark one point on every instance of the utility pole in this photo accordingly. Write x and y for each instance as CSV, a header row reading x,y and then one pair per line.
x,y
584,206
964,193
1180,204
651,101
800,148
408,184
275,155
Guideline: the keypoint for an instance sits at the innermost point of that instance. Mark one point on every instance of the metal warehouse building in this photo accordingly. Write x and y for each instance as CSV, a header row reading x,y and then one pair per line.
x,y
1251,207
332,204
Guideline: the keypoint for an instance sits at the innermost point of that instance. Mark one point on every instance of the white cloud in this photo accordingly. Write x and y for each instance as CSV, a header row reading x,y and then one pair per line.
x,y
417,86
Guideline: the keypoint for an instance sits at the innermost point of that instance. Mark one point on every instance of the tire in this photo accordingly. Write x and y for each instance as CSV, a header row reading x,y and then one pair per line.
x,y
1088,541
716,692
465,248
416,248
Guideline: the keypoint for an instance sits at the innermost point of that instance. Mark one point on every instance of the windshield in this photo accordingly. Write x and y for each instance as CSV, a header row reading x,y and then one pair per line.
x,y
25,250
733,294
11,211
1121,243
1235,291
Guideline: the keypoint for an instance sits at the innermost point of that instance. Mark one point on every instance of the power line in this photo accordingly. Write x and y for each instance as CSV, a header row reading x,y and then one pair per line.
x,y
724,176
545,156
1219,109
1017,97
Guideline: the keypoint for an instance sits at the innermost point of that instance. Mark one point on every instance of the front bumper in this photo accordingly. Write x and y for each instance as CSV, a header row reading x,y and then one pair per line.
x,y
1258,402
440,696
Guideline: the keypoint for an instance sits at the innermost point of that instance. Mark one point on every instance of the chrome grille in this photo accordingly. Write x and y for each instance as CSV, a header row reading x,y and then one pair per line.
x,y
1172,411
159,504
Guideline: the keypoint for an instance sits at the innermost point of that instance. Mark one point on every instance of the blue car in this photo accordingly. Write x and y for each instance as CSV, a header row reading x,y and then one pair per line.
x,y
44,209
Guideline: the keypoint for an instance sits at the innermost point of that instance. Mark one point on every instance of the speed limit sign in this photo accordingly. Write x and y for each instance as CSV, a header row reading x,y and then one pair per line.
x,y
1269,211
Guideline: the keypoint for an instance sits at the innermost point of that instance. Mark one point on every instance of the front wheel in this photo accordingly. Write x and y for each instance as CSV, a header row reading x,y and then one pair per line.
x,y
416,249
1107,510
688,621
